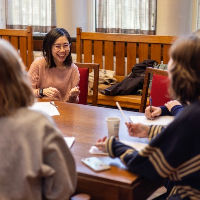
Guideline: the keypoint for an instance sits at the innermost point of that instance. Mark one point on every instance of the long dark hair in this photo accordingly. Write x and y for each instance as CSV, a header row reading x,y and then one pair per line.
x,y
185,70
48,42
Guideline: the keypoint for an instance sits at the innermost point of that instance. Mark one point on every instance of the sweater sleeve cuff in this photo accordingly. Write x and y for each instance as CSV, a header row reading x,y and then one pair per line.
x,y
176,109
73,99
109,149
164,111
117,149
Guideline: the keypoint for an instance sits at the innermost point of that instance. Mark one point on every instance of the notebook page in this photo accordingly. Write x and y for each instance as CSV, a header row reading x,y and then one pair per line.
x,y
162,120
45,107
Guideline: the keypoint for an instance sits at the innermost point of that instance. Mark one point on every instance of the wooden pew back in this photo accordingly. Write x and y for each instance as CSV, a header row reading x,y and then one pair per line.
x,y
120,52
22,40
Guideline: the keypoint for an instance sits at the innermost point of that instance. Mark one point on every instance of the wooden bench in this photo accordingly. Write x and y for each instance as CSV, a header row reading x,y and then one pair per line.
x,y
22,40
120,52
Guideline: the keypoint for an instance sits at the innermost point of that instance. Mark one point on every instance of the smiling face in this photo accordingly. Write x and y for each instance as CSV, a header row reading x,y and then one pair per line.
x,y
60,50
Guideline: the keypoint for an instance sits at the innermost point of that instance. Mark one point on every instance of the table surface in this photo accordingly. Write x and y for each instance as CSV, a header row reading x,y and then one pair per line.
x,y
87,124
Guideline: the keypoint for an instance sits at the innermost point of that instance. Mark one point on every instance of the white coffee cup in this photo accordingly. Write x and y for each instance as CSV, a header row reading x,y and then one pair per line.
x,y
113,126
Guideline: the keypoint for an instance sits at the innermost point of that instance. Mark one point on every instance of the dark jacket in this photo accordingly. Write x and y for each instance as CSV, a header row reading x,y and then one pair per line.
x,y
132,83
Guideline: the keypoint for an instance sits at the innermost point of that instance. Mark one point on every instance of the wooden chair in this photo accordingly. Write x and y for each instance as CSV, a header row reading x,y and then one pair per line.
x,y
22,40
95,68
159,88
83,85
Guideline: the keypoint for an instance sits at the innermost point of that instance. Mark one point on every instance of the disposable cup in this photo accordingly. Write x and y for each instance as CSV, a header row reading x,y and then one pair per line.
x,y
113,126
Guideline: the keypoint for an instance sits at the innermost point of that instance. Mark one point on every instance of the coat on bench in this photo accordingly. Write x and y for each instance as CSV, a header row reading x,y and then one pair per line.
x,y
133,82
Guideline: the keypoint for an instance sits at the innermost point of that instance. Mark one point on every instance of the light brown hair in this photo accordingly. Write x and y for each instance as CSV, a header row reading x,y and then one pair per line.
x,y
15,89
185,72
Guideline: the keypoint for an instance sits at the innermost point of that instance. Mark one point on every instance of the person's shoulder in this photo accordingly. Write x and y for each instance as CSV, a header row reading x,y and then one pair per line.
x,y
35,124
190,113
39,62
193,109
35,114
33,118
74,67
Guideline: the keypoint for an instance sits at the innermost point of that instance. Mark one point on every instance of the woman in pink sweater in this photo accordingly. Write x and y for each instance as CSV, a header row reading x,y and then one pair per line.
x,y
54,76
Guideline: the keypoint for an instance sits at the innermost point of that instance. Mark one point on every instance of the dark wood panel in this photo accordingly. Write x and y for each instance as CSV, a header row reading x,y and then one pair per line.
x,y
120,58
98,53
108,49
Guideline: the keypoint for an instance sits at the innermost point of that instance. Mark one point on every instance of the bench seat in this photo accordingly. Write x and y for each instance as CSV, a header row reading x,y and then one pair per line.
x,y
125,101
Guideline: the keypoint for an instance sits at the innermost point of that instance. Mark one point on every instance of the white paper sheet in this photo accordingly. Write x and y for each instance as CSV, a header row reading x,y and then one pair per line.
x,y
69,141
95,150
162,120
45,107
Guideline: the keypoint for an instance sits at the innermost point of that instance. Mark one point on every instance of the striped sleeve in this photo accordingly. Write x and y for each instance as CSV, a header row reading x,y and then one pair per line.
x,y
121,149
154,131
173,154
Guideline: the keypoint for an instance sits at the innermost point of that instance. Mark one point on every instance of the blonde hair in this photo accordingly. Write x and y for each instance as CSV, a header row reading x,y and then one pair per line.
x,y
15,89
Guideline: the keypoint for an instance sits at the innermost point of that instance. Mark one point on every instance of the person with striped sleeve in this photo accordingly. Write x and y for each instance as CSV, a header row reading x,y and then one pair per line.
x,y
173,153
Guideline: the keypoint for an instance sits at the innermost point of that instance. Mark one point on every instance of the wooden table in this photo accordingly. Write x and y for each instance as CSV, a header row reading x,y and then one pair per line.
x,y
87,124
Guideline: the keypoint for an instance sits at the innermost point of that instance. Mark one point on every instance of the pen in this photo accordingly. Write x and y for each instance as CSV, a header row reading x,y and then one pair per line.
x,y
53,104
150,101
123,115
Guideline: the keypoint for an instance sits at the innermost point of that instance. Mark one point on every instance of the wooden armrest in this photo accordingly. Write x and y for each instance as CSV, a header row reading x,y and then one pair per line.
x,y
81,196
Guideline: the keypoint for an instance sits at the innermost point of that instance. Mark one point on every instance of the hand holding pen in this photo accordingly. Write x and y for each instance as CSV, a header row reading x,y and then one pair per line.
x,y
126,119
151,112
150,102
136,130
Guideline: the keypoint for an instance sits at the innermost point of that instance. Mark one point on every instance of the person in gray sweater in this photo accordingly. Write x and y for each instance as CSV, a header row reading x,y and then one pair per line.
x,y
35,160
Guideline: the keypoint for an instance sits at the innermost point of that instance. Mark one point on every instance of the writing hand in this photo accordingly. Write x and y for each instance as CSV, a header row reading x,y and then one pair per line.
x,y
152,112
137,130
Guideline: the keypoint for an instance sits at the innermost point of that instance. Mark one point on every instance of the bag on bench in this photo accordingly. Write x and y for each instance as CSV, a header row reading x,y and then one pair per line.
x,y
132,83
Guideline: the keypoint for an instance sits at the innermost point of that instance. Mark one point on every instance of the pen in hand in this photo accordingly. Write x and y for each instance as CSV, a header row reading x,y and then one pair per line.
x,y
123,115
150,102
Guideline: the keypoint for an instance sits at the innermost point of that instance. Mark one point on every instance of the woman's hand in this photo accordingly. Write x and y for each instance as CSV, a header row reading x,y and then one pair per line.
x,y
74,92
153,112
171,104
101,144
137,130
52,93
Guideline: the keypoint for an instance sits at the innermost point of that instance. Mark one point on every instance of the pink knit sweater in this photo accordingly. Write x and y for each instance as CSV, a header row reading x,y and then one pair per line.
x,y
63,79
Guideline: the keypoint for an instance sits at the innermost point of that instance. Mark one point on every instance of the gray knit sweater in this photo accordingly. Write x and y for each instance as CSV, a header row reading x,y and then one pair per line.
x,y
35,162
